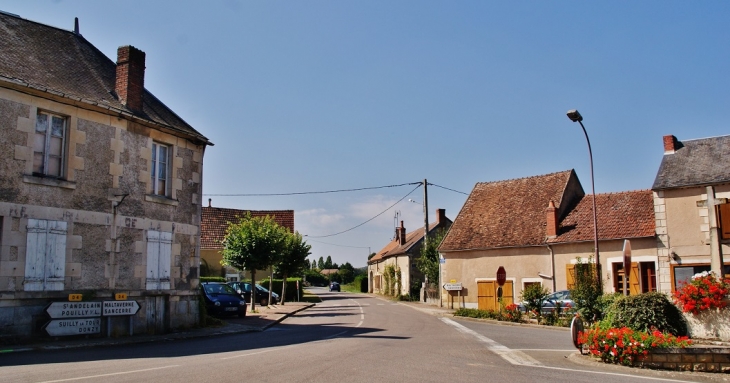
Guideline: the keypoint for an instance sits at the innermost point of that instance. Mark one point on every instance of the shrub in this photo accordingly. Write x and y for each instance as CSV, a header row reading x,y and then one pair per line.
x,y
624,345
533,297
508,313
645,312
703,292
587,292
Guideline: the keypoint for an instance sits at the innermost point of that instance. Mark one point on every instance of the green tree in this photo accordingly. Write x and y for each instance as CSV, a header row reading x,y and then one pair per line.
x,y
533,296
253,244
314,264
371,255
347,273
328,263
293,259
320,263
428,262
587,292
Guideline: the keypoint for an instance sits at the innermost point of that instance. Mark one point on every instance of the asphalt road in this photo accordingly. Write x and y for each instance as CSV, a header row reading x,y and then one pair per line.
x,y
346,338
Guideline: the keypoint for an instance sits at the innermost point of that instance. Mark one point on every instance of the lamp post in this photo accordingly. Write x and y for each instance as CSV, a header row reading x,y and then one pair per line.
x,y
575,116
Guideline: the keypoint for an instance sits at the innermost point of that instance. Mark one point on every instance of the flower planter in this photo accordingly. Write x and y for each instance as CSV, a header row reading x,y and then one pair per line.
x,y
706,359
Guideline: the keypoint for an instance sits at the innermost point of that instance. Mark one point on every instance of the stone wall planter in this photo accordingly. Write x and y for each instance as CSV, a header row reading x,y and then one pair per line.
x,y
709,324
705,359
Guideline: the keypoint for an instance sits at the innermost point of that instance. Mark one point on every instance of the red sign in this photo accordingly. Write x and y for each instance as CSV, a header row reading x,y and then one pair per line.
x,y
501,276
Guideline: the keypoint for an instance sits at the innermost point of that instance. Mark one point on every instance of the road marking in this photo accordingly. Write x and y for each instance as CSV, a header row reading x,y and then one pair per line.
x,y
381,304
544,349
111,374
613,374
513,356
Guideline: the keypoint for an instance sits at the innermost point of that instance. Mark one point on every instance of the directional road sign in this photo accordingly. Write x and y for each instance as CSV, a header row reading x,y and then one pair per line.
x,y
80,326
118,308
74,309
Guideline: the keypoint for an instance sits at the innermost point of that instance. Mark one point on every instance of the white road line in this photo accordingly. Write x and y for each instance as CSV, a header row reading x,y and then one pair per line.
x,y
613,374
545,349
381,304
252,353
111,374
513,356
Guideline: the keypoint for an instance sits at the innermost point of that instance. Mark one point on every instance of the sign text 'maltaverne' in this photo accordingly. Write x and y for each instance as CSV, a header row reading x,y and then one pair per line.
x,y
114,308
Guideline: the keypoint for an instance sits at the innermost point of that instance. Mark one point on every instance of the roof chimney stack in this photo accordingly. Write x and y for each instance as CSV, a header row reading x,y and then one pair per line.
x,y
440,216
402,234
670,144
130,77
552,220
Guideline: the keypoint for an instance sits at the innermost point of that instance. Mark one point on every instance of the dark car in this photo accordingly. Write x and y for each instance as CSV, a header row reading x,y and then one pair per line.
x,y
262,294
334,286
221,299
561,298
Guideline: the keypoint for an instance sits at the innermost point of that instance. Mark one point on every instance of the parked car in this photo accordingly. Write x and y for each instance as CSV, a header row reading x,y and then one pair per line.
x,y
221,299
561,297
262,294
334,286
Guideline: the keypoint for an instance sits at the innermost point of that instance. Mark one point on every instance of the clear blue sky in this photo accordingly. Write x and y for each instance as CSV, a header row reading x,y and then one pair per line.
x,y
320,95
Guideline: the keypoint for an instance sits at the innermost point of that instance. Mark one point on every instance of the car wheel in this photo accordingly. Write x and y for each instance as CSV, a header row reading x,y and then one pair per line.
x,y
264,302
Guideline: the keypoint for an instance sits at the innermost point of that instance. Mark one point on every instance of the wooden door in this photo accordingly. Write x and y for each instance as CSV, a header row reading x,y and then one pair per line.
x,y
486,295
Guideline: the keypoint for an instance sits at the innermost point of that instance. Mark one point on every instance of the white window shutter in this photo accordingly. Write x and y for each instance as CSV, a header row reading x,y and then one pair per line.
x,y
153,260
165,263
55,255
35,248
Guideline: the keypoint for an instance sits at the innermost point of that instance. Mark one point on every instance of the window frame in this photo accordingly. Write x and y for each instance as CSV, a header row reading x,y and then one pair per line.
x,y
48,136
155,167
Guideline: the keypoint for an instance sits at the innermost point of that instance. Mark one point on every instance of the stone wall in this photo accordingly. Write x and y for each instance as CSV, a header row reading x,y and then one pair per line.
x,y
688,359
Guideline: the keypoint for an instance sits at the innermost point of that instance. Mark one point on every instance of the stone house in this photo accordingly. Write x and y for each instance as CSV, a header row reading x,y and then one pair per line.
x,y
402,254
691,195
213,228
540,229
100,185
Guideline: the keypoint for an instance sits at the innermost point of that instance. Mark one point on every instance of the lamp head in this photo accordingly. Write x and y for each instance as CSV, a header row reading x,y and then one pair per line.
x,y
574,115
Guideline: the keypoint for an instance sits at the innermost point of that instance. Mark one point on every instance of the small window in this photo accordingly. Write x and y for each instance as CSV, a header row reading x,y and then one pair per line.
x,y
159,173
49,145
724,219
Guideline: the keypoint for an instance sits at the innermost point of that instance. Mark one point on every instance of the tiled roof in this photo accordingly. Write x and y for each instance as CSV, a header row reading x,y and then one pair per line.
x,y
695,163
65,64
215,221
509,213
413,238
621,215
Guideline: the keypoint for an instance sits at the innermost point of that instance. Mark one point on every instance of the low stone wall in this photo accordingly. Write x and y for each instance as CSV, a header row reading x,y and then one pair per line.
x,y
706,359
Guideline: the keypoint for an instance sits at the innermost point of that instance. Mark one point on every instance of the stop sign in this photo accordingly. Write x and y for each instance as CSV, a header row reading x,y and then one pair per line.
x,y
501,276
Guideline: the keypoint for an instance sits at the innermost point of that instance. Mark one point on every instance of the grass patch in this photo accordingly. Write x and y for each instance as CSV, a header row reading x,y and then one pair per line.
x,y
307,296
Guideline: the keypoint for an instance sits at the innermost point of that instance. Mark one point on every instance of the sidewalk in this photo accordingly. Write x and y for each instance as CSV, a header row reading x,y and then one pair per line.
x,y
260,321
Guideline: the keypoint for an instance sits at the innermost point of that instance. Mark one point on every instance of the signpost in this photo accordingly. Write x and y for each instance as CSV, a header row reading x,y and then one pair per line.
x,y
118,308
501,276
627,263
453,286
78,326
74,309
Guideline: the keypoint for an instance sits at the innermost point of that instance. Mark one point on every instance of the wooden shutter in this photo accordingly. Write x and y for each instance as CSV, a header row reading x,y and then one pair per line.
x,y
570,276
724,213
634,280
45,255
159,249
55,262
486,295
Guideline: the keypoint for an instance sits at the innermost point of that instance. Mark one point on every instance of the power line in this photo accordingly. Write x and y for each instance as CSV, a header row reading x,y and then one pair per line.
x,y
455,191
334,244
311,192
379,214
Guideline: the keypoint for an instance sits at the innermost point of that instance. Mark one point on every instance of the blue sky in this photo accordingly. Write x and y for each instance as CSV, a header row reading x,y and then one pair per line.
x,y
322,95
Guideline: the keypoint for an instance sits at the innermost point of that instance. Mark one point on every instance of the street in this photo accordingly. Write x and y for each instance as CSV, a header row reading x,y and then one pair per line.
x,y
346,338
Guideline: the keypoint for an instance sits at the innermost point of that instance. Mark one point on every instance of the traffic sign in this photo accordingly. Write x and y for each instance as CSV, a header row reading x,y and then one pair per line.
x,y
80,326
501,276
452,286
117,308
74,309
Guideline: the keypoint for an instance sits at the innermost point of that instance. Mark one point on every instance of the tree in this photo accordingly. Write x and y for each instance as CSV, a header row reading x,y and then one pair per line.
x,y
587,291
293,259
347,273
428,263
253,244
533,297
320,263
314,264
328,263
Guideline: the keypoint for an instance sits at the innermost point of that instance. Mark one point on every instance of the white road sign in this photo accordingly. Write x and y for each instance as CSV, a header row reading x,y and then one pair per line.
x,y
117,308
452,286
74,309
80,326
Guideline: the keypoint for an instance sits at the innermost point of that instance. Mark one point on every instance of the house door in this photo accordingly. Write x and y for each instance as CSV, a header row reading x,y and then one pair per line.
x,y
156,308
488,294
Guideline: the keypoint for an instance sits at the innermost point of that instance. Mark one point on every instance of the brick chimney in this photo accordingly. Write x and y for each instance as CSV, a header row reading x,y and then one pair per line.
x,y
552,220
401,234
440,216
130,77
670,144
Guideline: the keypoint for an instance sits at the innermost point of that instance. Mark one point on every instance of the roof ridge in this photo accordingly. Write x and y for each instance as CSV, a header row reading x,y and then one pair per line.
x,y
526,178
703,138
16,16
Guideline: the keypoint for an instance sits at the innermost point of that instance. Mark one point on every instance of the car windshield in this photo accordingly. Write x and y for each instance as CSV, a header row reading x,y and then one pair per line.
x,y
262,288
219,289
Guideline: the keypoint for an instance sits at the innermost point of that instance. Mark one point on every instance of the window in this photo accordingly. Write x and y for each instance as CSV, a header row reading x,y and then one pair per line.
x,y
49,145
159,247
159,168
45,256
682,274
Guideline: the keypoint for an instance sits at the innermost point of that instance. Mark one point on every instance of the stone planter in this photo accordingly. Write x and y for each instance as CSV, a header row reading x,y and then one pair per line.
x,y
709,324
706,359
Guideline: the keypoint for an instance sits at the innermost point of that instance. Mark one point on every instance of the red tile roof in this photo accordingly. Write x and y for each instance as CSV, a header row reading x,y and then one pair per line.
x,y
621,215
413,238
508,213
215,221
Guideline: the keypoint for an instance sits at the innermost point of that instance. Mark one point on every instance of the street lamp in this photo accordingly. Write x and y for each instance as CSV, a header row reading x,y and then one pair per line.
x,y
575,116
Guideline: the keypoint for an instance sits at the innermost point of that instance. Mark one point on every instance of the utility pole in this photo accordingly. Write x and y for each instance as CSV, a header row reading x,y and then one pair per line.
x,y
425,213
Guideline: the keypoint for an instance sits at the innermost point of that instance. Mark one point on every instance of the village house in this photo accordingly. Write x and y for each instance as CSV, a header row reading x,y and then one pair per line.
x,y
213,229
540,229
691,193
100,185
402,254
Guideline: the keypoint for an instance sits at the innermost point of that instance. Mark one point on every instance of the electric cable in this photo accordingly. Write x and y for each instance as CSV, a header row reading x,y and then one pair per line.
x,y
442,187
311,192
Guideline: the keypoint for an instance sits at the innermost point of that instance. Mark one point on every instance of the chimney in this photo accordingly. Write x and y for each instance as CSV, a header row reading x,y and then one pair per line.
x,y
402,234
670,144
552,220
209,201
130,77
440,216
